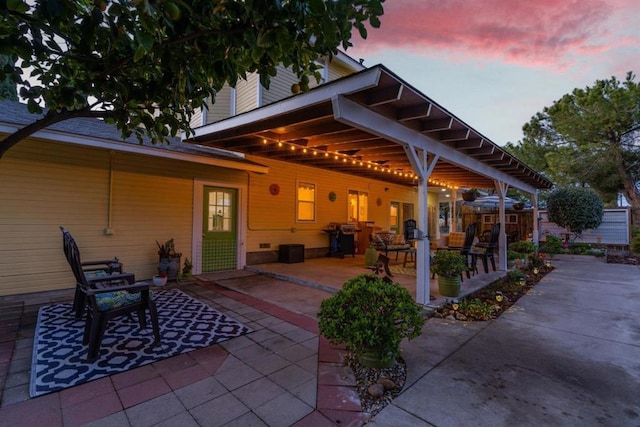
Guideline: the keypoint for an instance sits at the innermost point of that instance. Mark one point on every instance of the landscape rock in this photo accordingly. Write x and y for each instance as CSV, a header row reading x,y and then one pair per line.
x,y
387,384
376,390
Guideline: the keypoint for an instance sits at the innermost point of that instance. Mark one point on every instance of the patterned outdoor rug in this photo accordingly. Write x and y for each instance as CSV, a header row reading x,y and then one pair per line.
x,y
59,358
409,270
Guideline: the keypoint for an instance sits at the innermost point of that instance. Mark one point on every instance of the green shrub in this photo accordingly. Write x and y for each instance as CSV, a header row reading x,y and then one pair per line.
x,y
575,208
579,248
513,255
476,308
515,275
523,247
552,245
448,263
635,239
370,314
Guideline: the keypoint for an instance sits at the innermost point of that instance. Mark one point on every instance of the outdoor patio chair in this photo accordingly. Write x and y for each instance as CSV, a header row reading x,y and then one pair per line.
x,y
465,250
487,251
97,271
469,237
108,298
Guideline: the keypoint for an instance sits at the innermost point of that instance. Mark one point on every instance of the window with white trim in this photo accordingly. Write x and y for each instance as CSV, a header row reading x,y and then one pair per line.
x,y
306,202
358,206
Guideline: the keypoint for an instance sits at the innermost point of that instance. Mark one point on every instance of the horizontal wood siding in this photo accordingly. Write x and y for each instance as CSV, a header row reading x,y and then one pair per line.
x,y
272,219
47,185
247,94
280,86
614,230
337,71
196,119
221,108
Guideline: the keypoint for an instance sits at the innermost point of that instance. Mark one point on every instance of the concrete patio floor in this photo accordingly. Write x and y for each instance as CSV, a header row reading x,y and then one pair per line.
x,y
565,354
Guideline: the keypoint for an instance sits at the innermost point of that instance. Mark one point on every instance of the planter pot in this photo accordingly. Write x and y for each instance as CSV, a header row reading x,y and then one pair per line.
x,y
449,286
370,257
371,359
171,266
159,281
469,197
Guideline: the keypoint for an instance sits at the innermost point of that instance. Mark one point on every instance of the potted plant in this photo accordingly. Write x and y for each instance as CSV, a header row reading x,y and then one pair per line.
x,y
371,316
448,265
169,259
370,255
470,195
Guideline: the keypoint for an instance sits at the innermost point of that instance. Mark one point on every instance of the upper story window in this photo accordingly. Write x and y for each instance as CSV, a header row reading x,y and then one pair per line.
x,y
358,206
306,202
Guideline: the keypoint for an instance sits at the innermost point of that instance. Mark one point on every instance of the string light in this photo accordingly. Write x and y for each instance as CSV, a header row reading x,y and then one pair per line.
x,y
354,161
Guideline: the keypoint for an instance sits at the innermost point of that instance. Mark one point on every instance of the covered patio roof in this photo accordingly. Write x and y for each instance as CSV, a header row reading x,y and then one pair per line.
x,y
371,124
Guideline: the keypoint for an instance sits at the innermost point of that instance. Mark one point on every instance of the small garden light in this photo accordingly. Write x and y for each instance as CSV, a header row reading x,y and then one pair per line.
x,y
536,270
499,296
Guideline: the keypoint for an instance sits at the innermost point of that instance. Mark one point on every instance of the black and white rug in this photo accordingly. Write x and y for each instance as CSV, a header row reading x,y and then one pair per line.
x,y
59,358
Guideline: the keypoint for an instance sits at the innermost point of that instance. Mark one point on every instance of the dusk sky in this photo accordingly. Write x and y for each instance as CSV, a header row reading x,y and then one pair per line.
x,y
495,63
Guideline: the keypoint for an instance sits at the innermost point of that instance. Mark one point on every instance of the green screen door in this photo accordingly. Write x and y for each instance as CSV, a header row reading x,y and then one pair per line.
x,y
219,229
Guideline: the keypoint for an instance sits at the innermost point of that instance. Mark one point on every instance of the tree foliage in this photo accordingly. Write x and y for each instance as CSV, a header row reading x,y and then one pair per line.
x,y
8,88
146,65
576,209
589,137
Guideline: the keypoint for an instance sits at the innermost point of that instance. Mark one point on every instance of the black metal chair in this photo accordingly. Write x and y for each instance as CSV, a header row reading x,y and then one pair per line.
x,y
487,251
106,298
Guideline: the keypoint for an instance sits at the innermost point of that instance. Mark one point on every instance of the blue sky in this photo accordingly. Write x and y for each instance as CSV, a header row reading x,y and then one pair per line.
x,y
495,63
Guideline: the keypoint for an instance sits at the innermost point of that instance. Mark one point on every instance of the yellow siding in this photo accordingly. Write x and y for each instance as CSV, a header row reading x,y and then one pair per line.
x,y
337,71
47,185
272,219
280,86
221,108
247,94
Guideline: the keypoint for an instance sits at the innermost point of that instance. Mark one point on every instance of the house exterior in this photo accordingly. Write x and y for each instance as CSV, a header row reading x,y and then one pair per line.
x,y
231,201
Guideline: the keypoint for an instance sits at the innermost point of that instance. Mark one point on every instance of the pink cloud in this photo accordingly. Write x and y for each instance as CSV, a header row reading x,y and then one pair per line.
x,y
528,33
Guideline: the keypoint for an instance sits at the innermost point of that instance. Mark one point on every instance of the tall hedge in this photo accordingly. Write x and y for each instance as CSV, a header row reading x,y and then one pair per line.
x,y
575,208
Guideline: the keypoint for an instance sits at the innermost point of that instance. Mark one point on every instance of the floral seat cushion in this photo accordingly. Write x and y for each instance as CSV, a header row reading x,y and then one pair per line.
x,y
111,300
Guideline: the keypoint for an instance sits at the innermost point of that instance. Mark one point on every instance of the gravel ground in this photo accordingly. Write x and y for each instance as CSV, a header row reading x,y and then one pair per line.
x,y
366,377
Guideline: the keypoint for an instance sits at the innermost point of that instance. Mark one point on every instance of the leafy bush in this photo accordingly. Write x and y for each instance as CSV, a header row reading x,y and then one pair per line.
x,y
576,209
513,255
370,314
552,245
579,248
448,263
523,247
635,239
515,275
476,308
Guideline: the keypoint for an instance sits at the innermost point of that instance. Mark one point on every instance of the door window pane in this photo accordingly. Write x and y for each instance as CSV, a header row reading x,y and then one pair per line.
x,y
220,211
